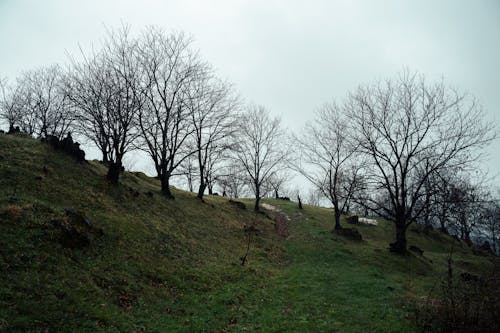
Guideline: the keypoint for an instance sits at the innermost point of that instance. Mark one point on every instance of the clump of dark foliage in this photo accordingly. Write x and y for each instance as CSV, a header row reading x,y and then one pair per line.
x,y
416,250
14,130
463,303
354,219
75,229
349,233
237,204
67,145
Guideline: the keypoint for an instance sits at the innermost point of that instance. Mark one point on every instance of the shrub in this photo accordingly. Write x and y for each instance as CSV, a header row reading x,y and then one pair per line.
x,y
464,303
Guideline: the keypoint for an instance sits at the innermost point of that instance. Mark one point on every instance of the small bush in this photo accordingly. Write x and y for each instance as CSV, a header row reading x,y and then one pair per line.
x,y
464,303
349,233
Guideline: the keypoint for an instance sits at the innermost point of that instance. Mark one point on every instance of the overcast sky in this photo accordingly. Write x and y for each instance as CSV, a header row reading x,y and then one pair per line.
x,y
291,56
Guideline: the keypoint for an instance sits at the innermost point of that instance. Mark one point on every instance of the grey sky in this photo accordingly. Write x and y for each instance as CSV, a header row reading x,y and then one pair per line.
x,y
291,56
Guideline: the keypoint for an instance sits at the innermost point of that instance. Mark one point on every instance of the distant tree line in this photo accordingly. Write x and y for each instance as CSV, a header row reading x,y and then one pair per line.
x,y
402,149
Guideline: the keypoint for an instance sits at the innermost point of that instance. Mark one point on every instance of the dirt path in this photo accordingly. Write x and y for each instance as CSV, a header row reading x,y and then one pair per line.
x,y
281,220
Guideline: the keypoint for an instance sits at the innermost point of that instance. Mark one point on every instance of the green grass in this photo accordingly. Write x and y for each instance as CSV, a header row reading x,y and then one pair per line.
x,y
173,266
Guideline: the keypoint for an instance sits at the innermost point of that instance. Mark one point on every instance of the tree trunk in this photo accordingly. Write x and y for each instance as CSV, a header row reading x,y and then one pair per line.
x,y
114,170
201,190
399,246
442,220
467,236
44,133
203,184
463,226
190,184
337,218
104,152
165,187
276,196
427,212
257,202
257,198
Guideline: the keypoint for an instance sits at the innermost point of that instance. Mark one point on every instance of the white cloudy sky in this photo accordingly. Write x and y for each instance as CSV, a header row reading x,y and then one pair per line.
x,y
290,56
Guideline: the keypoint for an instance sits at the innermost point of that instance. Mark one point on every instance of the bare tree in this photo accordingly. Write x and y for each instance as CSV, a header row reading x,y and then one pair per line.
x,y
327,159
123,83
214,164
410,129
261,150
490,223
314,197
27,108
212,105
91,96
188,169
450,199
106,89
232,180
441,202
434,202
41,106
170,67
467,201
278,181
10,111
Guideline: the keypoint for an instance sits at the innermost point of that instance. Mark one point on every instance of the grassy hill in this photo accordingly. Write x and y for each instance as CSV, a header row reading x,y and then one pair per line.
x,y
153,265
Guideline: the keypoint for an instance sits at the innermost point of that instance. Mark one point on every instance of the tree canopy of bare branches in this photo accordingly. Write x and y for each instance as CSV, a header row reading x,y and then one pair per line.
x,y
38,103
261,150
107,92
490,224
232,179
87,90
170,69
212,105
327,159
10,97
278,182
410,129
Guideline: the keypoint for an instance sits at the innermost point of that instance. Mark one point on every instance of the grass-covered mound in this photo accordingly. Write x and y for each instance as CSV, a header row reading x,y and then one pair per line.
x,y
156,265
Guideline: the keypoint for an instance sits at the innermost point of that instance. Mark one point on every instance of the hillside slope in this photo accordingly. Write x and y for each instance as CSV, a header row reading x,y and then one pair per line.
x,y
154,265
